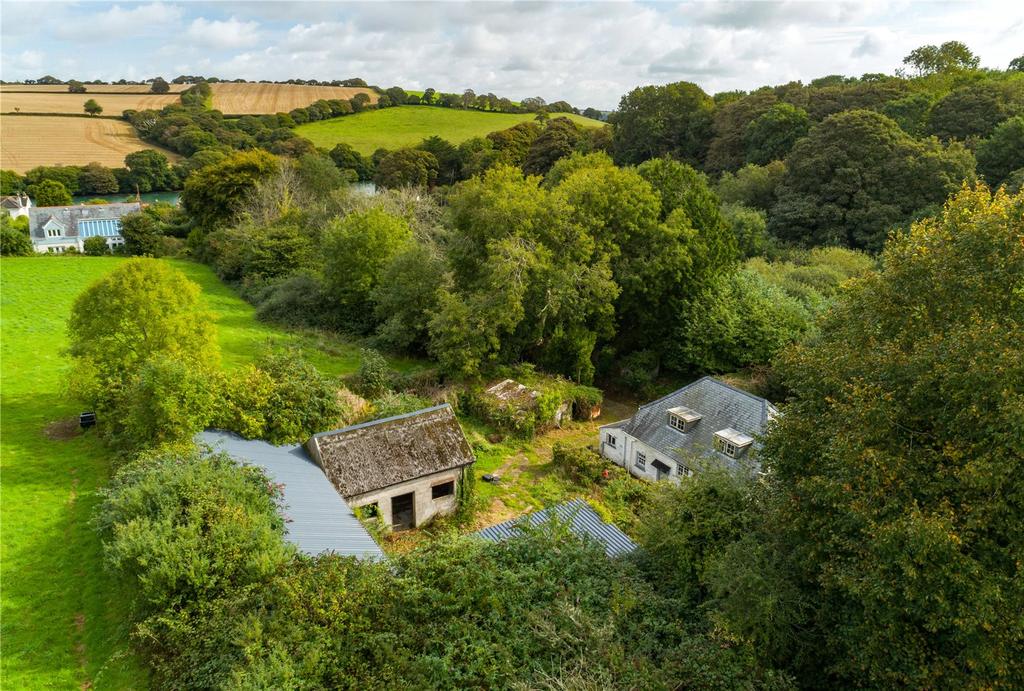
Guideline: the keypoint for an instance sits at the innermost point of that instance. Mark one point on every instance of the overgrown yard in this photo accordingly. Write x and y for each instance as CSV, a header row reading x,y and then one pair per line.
x,y
528,479
62,616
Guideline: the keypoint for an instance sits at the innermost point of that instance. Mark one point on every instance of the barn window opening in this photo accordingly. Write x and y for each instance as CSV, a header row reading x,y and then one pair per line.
x,y
445,489
610,440
371,510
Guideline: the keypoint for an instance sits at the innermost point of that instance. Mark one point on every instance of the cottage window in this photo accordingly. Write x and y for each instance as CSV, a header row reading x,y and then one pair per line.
x,y
676,422
610,440
445,489
641,460
725,446
683,471
53,232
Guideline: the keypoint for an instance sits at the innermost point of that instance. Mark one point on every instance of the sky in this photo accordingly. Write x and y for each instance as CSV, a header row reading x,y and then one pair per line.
x,y
589,54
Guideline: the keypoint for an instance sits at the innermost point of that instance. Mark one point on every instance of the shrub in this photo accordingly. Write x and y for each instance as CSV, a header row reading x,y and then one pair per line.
x,y
96,246
391,404
167,402
458,613
297,301
375,376
247,393
282,398
14,242
186,527
684,527
579,463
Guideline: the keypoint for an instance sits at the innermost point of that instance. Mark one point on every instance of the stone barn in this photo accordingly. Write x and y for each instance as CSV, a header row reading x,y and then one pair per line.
x,y
405,469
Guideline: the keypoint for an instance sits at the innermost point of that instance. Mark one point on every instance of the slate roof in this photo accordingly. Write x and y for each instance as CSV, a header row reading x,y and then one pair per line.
x,y
382,453
70,216
721,406
14,202
582,520
320,520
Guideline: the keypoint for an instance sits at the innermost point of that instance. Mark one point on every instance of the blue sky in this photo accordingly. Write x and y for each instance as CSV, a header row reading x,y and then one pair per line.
x,y
586,53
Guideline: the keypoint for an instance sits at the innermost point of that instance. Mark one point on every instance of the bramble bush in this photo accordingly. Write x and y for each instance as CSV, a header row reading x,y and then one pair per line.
x,y
281,398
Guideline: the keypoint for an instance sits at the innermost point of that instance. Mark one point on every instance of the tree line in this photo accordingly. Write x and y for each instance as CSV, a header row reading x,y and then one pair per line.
x,y
842,160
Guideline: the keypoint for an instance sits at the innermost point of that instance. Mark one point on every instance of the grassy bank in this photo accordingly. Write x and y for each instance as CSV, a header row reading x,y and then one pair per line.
x,y
394,128
63,618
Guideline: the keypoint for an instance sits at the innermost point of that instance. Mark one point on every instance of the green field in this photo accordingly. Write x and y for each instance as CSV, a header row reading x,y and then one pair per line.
x,y
395,128
63,618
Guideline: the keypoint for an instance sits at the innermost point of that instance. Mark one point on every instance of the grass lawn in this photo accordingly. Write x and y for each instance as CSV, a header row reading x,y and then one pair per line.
x,y
395,128
63,618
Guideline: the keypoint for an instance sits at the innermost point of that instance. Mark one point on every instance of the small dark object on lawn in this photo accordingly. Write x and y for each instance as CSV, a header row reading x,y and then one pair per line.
x,y
491,478
87,420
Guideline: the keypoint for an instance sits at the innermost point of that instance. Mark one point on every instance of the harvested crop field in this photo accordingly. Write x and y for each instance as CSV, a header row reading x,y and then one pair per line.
x,y
27,141
260,98
113,104
90,88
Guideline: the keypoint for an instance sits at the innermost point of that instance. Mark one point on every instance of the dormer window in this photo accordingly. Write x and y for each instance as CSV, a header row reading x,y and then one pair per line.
x,y
732,442
53,228
683,419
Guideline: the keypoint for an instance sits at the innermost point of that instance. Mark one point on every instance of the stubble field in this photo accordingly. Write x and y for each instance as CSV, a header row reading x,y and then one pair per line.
x,y
27,141
65,103
261,98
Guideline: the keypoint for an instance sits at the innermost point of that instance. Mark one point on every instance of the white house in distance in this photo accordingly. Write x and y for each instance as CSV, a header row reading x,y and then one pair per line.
x,y
706,418
16,205
55,229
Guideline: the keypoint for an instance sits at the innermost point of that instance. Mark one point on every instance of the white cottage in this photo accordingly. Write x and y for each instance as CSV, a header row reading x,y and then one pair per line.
x,y
707,418
16,205
56,229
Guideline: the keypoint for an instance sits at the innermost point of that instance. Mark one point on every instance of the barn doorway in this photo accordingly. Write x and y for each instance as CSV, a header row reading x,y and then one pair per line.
x,y
403,513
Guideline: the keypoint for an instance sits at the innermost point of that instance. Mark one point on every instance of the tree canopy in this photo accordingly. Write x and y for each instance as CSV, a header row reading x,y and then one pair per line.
x,y
890,538
856,176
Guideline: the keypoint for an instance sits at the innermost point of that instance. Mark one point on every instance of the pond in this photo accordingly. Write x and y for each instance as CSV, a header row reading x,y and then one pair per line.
x,y
147,198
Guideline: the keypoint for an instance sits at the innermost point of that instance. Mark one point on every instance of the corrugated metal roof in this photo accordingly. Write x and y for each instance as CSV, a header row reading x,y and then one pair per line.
x,y
319,520
582,520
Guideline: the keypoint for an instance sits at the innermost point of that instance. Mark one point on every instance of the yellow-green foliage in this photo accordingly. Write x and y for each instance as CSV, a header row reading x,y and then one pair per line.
x,y
143,309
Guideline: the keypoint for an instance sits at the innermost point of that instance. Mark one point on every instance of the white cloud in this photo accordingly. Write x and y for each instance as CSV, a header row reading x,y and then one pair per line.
x,y
586,53
227,34
116,22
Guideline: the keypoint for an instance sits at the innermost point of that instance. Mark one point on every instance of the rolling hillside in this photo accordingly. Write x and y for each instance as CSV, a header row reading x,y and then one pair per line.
x,y
394,128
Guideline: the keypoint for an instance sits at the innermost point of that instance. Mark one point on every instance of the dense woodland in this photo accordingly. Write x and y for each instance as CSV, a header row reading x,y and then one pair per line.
x,y
855,241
